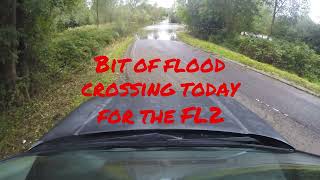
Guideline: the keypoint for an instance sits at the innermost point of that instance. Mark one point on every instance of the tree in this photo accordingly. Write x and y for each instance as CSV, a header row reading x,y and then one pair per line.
x,y
262,21
291,8
134,3
97,9
24,24
313,39
8,45
104,10
217,17
277,5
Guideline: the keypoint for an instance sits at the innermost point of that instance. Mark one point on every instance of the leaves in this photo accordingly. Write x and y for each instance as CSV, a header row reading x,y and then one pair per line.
x,y
295,57
217,17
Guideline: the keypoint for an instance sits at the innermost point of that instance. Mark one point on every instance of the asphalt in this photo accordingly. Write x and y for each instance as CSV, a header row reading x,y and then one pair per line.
x,y
276,102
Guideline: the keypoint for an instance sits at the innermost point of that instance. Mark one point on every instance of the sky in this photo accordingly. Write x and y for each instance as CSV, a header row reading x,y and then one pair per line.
x,y
315,11
162,3
314,7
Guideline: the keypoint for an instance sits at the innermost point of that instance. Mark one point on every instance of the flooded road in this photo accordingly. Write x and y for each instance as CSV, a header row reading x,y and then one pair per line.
x,y
162,31
291,112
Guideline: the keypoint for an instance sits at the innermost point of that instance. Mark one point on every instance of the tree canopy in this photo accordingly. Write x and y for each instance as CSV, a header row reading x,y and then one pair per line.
x,y
28,29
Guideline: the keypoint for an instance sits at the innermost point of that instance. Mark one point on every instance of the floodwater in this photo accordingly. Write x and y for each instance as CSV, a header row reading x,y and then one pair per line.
x,y
161,31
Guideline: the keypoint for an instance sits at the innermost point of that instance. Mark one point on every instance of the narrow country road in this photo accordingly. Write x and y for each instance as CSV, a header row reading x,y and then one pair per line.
x,y
293,113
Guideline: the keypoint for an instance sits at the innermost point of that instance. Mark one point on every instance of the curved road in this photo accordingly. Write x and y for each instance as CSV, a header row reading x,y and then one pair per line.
x,y
295,114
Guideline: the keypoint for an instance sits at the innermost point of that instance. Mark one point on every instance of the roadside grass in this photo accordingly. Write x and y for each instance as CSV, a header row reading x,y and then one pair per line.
x,y
267,68
22,126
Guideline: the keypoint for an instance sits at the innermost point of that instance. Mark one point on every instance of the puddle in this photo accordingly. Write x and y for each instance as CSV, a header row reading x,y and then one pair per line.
x,y
161,31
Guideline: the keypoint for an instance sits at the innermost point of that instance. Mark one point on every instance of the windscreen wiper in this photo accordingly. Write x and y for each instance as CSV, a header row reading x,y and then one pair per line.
x,y
163,138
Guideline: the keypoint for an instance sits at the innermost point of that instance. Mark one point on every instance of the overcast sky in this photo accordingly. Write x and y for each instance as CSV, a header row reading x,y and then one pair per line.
x,y
314,9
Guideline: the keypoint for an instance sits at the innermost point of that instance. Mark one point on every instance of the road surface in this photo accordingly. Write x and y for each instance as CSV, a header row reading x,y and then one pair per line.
x,y
295,114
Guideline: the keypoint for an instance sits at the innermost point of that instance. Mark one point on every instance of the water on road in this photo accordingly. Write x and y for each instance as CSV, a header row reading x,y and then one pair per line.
x,y
162,31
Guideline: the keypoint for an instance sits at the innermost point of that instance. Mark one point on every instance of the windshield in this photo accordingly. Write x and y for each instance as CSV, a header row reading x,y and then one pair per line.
x,y
78,75
163,163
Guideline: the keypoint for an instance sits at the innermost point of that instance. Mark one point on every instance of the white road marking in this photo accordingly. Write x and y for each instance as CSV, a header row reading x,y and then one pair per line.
x,y
272,108
275,109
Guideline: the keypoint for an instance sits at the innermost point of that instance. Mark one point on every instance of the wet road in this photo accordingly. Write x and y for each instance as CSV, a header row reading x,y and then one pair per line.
x,y
292,112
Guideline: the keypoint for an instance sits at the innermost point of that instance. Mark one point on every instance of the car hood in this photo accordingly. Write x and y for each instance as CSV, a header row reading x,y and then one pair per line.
x,y
237,118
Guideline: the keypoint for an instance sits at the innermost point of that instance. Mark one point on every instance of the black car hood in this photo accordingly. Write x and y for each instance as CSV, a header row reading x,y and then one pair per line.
x,y
237,118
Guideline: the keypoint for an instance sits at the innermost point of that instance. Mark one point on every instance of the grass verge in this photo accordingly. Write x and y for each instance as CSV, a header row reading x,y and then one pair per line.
x,y
24,125
267,68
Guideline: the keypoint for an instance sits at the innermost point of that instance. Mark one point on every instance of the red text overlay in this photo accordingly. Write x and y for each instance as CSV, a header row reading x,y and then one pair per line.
x,y
133,89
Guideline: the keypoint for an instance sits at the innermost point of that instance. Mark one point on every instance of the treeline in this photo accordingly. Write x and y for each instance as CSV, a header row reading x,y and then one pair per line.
x,y
38,48
110,11
277,32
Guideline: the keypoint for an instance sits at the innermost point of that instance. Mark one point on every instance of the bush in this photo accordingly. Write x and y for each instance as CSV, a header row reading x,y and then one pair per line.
x,y
68,51
226,39
173,18
263,50
295,57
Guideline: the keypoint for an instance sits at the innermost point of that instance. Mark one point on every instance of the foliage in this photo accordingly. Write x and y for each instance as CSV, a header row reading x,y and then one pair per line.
x,y
295,37
37,49
291,22
174,17
38,116
294,57
221,21
217,17
304,30
262,21
69,50
313,39
226,53
80,15
134,11
290,8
